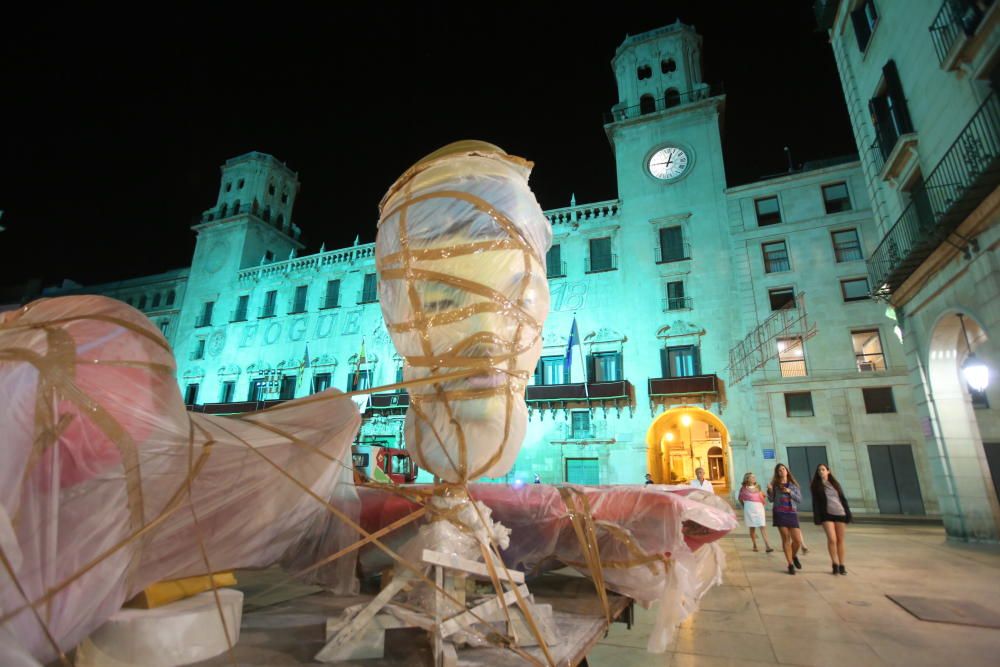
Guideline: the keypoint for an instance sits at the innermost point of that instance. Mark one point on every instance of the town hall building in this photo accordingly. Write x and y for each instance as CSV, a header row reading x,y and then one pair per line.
x,y
728,328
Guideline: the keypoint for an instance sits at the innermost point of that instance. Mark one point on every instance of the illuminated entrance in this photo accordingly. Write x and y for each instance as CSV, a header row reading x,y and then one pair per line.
x,y
684,438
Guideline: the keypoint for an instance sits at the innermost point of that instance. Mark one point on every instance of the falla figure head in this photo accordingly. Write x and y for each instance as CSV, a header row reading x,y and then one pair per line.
x,y
460,254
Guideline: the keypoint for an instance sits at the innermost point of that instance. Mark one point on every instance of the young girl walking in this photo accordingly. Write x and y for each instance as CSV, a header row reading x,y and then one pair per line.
x,y
784,492
754,516
830,510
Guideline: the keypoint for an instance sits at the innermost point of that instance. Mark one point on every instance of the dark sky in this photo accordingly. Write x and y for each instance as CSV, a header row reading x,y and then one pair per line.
x,y
117,122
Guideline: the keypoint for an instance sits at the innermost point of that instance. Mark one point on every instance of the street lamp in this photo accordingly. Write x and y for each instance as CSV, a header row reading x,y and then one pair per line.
x,y
973,368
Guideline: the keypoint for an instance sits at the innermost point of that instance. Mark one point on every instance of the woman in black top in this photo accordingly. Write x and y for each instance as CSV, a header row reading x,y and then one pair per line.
x,y
831,511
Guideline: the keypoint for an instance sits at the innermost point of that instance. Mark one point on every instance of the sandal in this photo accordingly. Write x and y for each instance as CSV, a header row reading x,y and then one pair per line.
x,y
769,549
755,548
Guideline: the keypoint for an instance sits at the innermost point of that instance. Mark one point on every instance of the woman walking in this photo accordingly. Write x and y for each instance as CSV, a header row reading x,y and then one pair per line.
x,y
784,492
754,516
830,510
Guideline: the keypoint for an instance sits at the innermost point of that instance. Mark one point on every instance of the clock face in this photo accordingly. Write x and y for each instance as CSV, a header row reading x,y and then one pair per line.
x,y
667,163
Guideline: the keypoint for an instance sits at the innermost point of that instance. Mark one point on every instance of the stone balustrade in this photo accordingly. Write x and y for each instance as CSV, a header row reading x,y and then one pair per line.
x,y
577,215
316,262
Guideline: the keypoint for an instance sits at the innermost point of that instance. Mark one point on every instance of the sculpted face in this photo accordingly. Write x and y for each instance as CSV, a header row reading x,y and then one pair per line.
x,y
460,252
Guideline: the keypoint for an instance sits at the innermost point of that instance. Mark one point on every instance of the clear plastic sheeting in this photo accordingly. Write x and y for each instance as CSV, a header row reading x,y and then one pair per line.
x,y
110,485
654,544
461,260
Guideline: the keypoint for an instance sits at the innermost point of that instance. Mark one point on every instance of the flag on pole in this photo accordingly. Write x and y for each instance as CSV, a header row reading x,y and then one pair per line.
x,y
305,357
362,359
574,340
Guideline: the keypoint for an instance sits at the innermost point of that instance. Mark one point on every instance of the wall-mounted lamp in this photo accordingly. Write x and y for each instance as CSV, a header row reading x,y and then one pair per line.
x,y
973,368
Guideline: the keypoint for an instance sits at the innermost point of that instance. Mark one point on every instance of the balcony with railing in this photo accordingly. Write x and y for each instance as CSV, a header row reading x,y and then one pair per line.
x,y
670,303
601,263
964,177
555,270
389,403
616,394
671,99
955,25
674,253
690,389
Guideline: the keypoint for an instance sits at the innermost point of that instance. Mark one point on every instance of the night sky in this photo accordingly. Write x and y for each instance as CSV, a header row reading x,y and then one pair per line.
x,y
117,122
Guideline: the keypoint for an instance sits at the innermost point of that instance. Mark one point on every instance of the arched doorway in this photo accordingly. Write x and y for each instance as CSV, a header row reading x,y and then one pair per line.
x,y
683,439
966,481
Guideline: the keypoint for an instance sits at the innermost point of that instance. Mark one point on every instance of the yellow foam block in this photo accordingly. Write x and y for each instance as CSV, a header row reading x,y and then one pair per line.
x,y
165,592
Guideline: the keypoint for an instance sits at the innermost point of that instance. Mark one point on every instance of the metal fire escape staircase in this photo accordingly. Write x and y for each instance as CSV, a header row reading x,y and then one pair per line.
x,y
760,345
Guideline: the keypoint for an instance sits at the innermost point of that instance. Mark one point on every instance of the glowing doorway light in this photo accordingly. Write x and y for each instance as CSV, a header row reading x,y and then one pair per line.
x,y
686,420
973,368
669,436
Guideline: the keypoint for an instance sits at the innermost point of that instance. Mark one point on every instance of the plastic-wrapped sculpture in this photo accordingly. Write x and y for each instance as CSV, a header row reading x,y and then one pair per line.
x,y
461,258
109,485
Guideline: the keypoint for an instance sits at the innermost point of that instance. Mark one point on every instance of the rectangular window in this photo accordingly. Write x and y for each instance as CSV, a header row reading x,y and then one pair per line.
x,y
287,388
675,296
889,112
847,245
191,394
554,267
206,314
156,300
358,380
240,314
781,297
142,302
199,349
228,392
835,198
321,382
580,426
671,246
680,361
551,370
600,258
775,257
332,297
868,350
799,404
604,367
791,357
854,289
299,303
878,400
369,293
768,212
258,388
270,303
864,19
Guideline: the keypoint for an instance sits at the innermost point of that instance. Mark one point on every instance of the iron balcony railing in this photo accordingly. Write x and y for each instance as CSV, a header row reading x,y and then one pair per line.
x,y
672,98
968,172
674,253
555,270
953,19
676,303
598,263
578,391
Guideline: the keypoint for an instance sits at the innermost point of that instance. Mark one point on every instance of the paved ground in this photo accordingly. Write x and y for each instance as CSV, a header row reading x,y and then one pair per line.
x,y
761,615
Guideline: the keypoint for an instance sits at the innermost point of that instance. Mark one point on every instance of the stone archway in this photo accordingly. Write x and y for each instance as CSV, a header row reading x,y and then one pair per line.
x,y
967,496
684,438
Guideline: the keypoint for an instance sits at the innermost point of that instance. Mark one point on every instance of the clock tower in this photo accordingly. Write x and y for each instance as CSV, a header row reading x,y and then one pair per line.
x,y
666,134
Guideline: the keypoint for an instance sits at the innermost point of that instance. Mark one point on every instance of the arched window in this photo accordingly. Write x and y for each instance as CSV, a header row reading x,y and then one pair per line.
x,y
667,66
647,104
267,214
280,220
253,208
142,302
644,72
222,210
671,98
236,207
156,300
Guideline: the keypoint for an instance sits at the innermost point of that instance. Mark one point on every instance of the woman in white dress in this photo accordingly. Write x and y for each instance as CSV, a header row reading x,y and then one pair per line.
x,y
754,516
